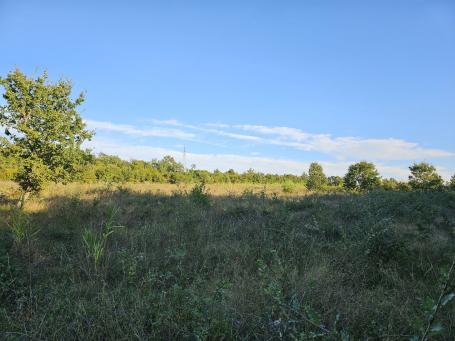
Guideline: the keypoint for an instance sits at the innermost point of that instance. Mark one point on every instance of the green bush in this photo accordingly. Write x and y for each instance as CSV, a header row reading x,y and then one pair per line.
x,y
199,195
288,187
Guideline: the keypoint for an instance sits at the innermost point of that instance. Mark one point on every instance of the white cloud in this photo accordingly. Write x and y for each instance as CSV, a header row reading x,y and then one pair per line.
x,y
233,135
352,148
139,132
291,133
208,130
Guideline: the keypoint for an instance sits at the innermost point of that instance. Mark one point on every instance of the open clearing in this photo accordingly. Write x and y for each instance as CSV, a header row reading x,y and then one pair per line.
x,y
149,261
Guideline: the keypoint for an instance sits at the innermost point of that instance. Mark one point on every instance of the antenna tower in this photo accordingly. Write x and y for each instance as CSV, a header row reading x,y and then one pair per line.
x,y
184,158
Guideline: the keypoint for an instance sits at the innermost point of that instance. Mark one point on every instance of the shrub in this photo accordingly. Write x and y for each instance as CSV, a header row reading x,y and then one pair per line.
x,y
383,245
199,196
288,187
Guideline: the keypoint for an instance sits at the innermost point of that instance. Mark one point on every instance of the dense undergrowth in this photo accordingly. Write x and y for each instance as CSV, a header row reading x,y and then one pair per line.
x,y
119,264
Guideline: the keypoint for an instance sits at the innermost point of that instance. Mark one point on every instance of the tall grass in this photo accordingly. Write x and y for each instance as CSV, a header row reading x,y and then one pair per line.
x,y
196,264
95,241
19,225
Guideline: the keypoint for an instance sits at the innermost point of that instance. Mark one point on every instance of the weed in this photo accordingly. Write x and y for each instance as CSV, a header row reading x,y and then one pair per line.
x,y
288,187
432,327
19,225
95,241
199,195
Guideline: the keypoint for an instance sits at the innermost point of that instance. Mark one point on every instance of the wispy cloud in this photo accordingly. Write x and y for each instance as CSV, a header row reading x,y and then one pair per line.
x,y
345,147
139,132
208,129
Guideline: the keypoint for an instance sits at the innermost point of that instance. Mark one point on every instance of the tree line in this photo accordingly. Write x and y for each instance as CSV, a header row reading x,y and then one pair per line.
x,y
361,176
43,134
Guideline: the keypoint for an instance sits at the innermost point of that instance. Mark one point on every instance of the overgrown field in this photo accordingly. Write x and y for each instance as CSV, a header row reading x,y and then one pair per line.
x,y
135,262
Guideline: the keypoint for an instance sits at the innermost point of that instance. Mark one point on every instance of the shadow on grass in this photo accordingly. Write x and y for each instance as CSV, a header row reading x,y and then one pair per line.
x,y
192,265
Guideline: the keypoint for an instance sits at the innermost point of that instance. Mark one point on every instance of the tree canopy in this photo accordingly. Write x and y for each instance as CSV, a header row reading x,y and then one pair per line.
x,y
424,177
316,177
452,182
43,131
362,176
335,180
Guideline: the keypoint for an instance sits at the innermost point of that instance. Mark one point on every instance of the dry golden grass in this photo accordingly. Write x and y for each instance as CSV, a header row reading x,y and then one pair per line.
x,y
89,191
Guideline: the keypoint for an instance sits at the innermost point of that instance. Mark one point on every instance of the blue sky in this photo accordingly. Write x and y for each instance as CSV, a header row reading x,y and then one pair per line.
x,y
263,84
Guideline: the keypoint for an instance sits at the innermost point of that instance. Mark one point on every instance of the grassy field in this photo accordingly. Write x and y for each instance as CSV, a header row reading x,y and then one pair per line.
x,y
147,261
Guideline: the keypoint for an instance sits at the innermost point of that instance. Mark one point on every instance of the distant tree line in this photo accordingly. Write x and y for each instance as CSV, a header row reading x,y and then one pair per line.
x,y
107,168
361,176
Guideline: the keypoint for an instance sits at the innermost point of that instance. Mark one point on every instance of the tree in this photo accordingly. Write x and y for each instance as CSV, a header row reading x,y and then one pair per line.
x,y
8,167
304,177
362,176
336,181
170,168
424,177
404,186
316,177
452,182
389,184
43,130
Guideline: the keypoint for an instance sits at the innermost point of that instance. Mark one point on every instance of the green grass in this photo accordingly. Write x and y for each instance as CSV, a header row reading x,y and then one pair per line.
x,y
256,266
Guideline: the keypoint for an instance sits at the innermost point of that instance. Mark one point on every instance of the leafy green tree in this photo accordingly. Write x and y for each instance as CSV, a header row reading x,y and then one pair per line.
x,y
232,176
424,177
169,168
389,184
362,176
316,177
336,181
43,130
452,182
395,185
304,178
404,186
218,177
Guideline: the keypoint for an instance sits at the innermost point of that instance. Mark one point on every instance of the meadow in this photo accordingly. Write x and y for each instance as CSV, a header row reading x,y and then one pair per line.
x,y
162,261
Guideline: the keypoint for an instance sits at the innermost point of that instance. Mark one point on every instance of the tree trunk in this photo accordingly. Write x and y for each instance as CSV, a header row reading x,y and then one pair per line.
x,y
24,196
